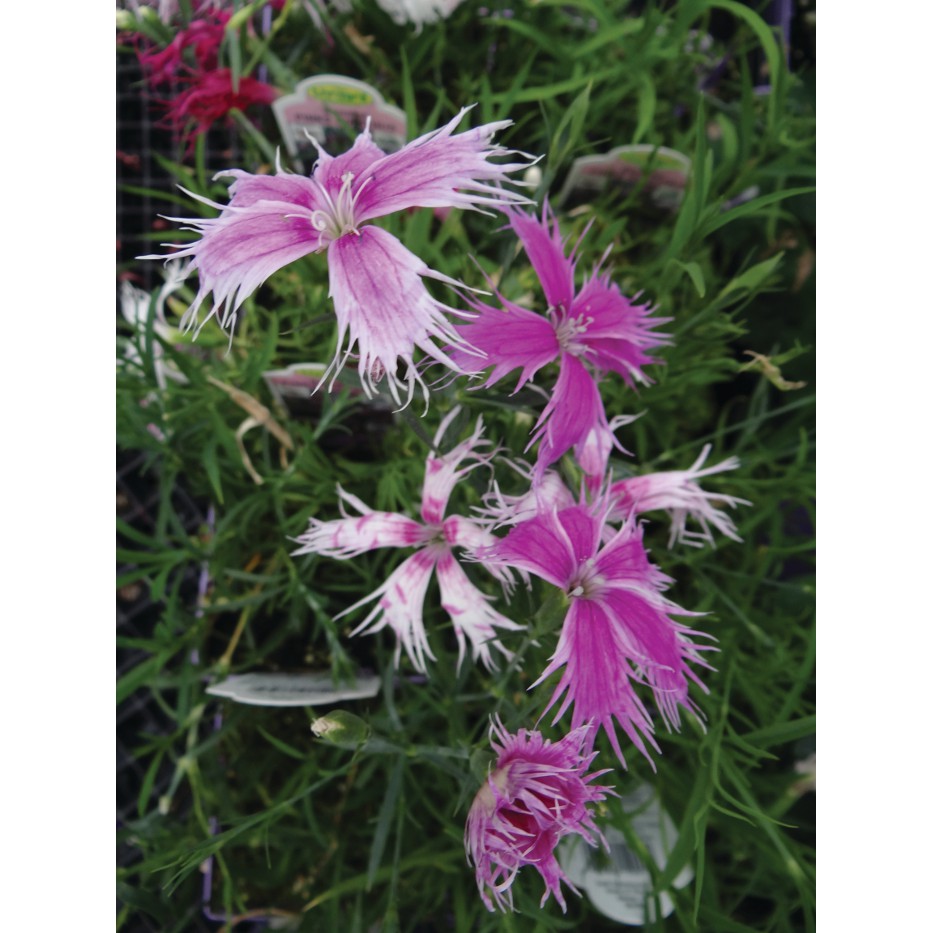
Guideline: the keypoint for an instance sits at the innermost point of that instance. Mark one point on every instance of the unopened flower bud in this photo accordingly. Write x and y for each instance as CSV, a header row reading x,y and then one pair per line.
x,y
341,728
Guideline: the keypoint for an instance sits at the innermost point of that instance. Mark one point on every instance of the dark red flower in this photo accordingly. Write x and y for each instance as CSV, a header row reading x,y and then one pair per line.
x,y
209,96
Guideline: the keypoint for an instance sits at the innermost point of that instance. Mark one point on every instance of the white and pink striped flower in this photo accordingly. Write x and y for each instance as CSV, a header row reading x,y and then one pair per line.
x,y
384,311
400,600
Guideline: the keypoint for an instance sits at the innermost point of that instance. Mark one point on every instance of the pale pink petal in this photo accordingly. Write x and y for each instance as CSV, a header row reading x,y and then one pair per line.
x,y
440,170
330,171
473,538
471,613
248,189
442,473
549,495
384,310
678,493
351,536
509,338
401,607
240,249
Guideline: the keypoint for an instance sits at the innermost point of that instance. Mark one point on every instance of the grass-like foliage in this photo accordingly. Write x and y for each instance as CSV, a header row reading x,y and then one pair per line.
x,y
368,833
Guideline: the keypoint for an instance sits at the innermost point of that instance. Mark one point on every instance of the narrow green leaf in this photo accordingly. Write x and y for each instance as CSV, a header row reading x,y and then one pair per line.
x,y
386,814
647,104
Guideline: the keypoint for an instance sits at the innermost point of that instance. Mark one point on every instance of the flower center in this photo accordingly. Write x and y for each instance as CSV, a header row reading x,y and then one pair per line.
x,y
586,583
337,218
569,330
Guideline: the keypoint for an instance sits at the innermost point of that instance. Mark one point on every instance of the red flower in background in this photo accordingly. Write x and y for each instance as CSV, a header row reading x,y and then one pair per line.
x,y
203,37
209,96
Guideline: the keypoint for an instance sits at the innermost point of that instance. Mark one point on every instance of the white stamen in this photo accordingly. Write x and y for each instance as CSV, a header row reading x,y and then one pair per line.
x,y
337,218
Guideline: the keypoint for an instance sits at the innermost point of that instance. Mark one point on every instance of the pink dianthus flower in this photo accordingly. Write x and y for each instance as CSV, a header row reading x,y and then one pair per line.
x,y
618,632
588,331
538,793
382,306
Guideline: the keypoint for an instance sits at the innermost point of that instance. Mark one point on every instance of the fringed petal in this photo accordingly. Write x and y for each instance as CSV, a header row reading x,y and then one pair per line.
x,y
442,473
574,417
351,536
546,251
401,606
472,615
678,493
384,311
239,250
441,170
510,337
597,678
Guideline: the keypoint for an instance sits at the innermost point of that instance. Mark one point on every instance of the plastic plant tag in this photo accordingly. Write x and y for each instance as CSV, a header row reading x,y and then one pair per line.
x,y
623,168
308,689
334,109
296,388
619,885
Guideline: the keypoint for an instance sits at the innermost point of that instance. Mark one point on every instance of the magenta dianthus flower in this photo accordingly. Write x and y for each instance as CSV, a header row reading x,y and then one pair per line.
x,y
538,793
618,632
400,600
382,306
678,493
588,331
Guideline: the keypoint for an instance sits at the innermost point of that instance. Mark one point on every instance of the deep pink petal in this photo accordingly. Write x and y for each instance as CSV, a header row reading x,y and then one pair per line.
x,y
623,559
538,793
540,546
661,648
471,613
510,337
384,310
439,170
547,252
574,417
618,332
401,607
597,677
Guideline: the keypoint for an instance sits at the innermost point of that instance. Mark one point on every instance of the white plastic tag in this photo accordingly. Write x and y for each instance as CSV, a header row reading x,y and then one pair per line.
x,y
308,689
623,168
622,890
333,109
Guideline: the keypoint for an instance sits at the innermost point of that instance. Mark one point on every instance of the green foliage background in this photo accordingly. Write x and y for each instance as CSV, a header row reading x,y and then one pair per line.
x,y
343,838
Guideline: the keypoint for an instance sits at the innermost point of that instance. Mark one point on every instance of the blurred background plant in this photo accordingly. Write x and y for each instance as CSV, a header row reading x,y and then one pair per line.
x,y
231,815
